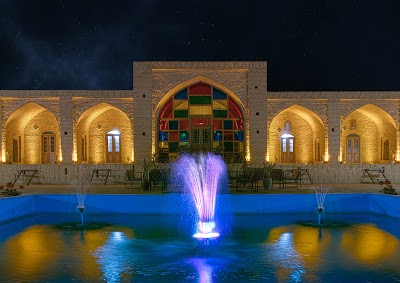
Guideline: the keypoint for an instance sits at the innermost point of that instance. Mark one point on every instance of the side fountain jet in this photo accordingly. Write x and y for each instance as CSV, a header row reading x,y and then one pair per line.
x,y
320,194
81,184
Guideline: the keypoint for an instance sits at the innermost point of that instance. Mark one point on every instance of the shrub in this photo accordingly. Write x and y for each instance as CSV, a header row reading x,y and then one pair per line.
x,y
10,191
387,187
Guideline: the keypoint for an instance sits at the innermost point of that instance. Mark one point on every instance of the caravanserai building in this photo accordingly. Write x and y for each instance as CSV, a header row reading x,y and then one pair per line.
x,y
221,107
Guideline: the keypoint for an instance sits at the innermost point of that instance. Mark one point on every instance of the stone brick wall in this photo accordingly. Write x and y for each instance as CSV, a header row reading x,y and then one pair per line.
x,y
317,116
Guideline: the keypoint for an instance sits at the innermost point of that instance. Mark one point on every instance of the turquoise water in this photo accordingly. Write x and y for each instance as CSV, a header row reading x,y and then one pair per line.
x,y
349,247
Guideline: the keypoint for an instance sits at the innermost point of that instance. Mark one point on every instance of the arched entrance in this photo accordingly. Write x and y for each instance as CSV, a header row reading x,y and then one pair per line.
x,y
200,117
368,135
103,135
296,135
32,136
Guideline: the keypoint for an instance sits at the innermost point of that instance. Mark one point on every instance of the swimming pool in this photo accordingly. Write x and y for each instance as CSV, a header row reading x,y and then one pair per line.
x,y
148,239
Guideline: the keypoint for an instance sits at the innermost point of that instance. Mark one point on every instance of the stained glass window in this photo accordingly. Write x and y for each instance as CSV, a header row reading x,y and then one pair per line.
x,y
188,118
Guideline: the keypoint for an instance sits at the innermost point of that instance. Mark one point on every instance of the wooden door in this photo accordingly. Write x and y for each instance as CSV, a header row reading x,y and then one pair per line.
x,y
113,143
287,149
200,139
48,148
353,149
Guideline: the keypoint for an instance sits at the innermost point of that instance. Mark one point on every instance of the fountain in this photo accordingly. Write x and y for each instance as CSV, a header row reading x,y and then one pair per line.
x,y
201,176
320,194
81,184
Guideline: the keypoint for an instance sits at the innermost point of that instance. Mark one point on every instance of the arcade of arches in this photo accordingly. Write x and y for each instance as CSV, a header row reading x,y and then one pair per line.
x,y
199,117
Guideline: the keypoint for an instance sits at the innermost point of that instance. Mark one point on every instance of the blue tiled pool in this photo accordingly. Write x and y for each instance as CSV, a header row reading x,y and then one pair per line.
x,y
264,238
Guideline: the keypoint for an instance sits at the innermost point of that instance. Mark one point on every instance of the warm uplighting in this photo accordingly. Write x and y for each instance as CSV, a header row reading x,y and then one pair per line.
x,y
3,155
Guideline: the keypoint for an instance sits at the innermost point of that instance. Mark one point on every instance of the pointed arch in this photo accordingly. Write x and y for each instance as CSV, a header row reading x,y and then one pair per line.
x,y
198,115
23,135
307,136
376,131
199,79
91,139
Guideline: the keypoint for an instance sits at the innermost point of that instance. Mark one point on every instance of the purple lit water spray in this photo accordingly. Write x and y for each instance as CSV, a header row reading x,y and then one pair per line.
x,y
201,176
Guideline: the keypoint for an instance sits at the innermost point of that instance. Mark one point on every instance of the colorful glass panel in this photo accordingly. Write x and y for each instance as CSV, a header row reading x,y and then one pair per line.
x,y
196,121
218,94
238,124
167,111
208,108
182,95
228,124
184,124
200,88
228,146
163,136
173,125
196,110
173,146
200,100
180,105
217,135
217,124
184,136
228,136
163,125
238,135
174,136
181,113
220,104
220,113
233,108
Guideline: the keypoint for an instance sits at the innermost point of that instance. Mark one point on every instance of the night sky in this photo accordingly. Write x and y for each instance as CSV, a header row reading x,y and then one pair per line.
x,y
309,45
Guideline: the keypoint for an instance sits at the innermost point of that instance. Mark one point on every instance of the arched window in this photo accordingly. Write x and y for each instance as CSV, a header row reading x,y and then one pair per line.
x,y
288,126
353,124
200,117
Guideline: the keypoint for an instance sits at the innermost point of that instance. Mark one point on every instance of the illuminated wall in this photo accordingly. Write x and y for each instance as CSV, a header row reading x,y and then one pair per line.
x,y
27,124
305,126
373,126
94,124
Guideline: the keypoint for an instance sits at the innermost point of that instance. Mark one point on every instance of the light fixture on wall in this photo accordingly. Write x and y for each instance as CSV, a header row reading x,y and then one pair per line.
x,y
35,127
99,127
279,130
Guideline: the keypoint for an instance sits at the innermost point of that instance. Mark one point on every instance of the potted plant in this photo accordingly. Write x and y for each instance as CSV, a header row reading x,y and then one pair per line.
x,y
267,180
146,170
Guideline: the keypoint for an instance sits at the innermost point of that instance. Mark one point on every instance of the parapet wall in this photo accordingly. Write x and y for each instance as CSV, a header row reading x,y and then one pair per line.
x,y
66,174
23,206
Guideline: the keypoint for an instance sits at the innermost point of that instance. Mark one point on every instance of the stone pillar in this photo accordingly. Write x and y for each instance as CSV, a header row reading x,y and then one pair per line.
x,y
257,88
142,114
66,128
333,128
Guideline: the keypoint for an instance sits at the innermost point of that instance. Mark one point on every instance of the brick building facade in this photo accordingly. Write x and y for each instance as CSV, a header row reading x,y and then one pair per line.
x,y
223,107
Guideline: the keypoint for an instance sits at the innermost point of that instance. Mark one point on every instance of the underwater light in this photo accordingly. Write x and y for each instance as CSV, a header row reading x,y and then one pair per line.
x,y
205,230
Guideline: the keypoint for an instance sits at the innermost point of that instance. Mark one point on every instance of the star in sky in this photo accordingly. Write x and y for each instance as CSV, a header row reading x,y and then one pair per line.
x,y
309,45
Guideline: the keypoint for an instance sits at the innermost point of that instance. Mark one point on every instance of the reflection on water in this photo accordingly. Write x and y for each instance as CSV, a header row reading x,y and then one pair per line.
x,y
151,249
